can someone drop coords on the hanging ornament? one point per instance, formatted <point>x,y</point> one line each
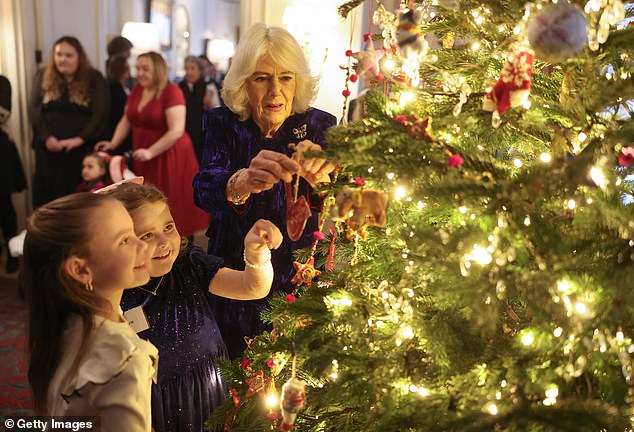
<point>558,32</point>
<point>256,383</point>
<point>626,157</point>
<point>409,37</point>
<point>359,208</point>
<point>418,128</point>
<point>305,273</point>
<point>513,87</point>
<point>292,402</point>
<point>297,211</point>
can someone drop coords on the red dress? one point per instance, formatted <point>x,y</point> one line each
<point>173,170</point>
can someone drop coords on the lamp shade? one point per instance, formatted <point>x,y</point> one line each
<point>220,50</point>
<point>144,36</point>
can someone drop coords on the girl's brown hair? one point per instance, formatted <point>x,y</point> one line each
<point>55,232</point>
<point>133,195</point>
<point>54,84</point>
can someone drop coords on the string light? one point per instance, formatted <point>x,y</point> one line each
<point>545,157</point>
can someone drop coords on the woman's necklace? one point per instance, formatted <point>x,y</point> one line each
<point>155,288</point>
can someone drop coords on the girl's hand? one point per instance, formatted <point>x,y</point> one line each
<point>142,155</point>
<point>262,236</point>
<point>314,169</point>
<point>53,144</point>
<point>104,146</point>
<point>267,168</point>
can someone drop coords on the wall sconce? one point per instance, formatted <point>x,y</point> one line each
<point>219,51</point>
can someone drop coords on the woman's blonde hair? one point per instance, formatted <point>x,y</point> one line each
<point>159,70</point>
<point>54,83</point>
<point>283,49</point>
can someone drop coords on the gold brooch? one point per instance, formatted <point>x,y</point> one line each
<point>300,132</point>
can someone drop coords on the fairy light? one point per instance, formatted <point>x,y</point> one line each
<point>498,395</point>
<point>581,308</point>
<point>527,220</point>
<point>475,46</point>
<point>526,104</point>
<point>518,163</point>
<point>528,338</point>
<point>564,286</point>
<point>421,205</point>
<point>480,255</point>
<point>598,177</point>
<point>558,332</point>
<point>571,204</point>
<point>423,391</point>
<point>390,176</point>
<point>491,408</point>
<point>462,209</point>
<point>582,137</point>
<point>619,336</point>
<point>501,29</point>
<point>405,98</point>
<point>503,384</point>
<point>389,65</point>
<point>545,157</point>
<point>271,400</point>
<point>400,193</point>
<point>551,395</point>
<point>408,333</point>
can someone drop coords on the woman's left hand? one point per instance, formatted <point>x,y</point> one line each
<point>142,155</point>
<point>315,170</point>
<point>70,143</point>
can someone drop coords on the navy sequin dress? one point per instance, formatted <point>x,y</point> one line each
<point>231,144</point>
<point>184,329</point>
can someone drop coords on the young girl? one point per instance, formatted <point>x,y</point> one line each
<point>174,310</point>
<point>94,169</point>
<point>80,253</point>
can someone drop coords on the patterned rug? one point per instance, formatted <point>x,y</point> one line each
<point>15,396</point>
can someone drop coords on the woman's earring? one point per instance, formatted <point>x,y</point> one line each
<point>89,286</point>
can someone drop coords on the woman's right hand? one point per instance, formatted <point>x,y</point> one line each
<point>53,144</point>
<point>267,168</point>
<point>104,146</point>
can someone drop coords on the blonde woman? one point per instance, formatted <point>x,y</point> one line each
<point>163,152</point>
<point>69,108</point>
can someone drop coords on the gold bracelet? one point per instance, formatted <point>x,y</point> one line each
<point>234,198</point>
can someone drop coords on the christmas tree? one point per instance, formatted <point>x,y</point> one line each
<point>494,293</point>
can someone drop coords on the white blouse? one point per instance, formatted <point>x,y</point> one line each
<point>112,380</point>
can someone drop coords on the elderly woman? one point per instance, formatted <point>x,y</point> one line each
<point>69,108</point>
<point>162,150</point>
<point>199,96</point>
<point>247,159</point>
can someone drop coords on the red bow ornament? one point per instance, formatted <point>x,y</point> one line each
<point>513,86</point>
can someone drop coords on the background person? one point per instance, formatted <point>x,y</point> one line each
<point>68,107</point>
<point>199,97</point>
<point>11,175</point>
<point>247,159</point>
<point>163,152</point>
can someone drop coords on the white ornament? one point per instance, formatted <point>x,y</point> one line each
<point>558,32</point>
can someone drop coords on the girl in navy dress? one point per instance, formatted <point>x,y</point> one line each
<point>174,310</point>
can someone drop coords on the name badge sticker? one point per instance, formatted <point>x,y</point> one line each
<point>137,319</point>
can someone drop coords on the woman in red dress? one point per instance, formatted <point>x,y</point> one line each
<point>163,152</point>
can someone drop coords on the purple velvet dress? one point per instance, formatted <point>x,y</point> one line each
<point>184,329</point>
<point>230,144</point>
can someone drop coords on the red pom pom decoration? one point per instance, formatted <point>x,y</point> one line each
<point>455,160</point>
<point>348,53</point>
<point>290,298</point>
<point>626,158</point>
<point>367,37</point>
<point>345,93</point>
<point>360,181</point>
<point>272,416</point>
<point>354,78</point>
<point>246,364</point>
<point>318,235</point>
